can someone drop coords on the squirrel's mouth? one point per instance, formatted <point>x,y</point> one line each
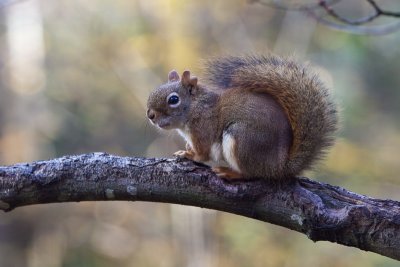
<point>163,125</point>
<point>160,124</point>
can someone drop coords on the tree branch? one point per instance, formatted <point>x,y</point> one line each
<point>331,18</point>
<point>321,211</point>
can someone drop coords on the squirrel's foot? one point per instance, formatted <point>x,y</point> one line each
<point>185,154</point>
<point>227,173</point>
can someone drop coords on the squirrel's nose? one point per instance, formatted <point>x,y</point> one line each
<point>151,114</point>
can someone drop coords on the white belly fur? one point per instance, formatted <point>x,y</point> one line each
<point>216,152</point>
<point>186,135</point>
<point>228,145</point>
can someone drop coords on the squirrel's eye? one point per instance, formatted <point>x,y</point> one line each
<point>173,100</point>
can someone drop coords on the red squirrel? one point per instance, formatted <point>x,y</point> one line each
<point>266,116</point>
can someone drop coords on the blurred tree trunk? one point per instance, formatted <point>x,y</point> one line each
<point>321,211</point>
<point>5,97</point>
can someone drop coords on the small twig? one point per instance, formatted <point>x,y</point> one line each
<point>340,22</point>
<point>360,21</point>
<point>298,7</point>
<point>383,12</point>
<point>377,13</point>
<point>358,29</point>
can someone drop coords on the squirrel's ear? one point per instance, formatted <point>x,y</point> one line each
<point>187,80</point>
<point>173,76</point>
<point>193,81</point>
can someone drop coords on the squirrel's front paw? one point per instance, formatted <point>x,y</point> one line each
<point>184,154</point>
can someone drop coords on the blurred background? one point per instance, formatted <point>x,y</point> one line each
<point>75,76</point>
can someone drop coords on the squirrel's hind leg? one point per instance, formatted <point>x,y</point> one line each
<point>227,173</point>
<point>228,146</point>
<point>255,152</point>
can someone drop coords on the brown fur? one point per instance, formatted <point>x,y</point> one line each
<point>306,101</point>
<point>275,113</point>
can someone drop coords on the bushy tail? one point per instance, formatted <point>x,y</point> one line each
<point>305,99</point>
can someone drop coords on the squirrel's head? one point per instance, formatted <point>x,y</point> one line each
<point>168,105</point>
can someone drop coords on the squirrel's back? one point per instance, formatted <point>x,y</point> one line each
<point>304,98</point>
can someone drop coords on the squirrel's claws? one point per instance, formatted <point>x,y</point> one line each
<point>227,173</point>
<point>184,154</point>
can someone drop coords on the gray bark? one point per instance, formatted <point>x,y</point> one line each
<point>321,211</point>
